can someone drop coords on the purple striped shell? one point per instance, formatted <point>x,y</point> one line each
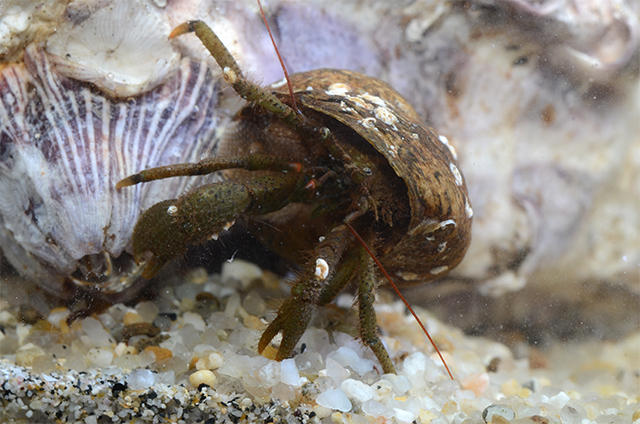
<point>64,145</point>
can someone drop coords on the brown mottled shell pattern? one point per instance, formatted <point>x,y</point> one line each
<point>440,210</point>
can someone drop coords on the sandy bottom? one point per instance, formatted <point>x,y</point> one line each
<point>190,356</point>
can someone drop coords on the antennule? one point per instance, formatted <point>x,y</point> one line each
<point>284,68</point>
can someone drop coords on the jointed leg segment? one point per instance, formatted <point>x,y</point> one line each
<point>233,74</point>
<point>367,315</point>
<point>318,289</point>
<point>323,277</point>
<point>253,162</point>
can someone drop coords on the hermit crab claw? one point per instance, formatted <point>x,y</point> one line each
<point>293,317</point>
<point>157,237</point>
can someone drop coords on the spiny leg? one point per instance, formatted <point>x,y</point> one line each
<point>166,229</point>
<point>367,314</point>
<point>233,74</point>
<point>323,271</point>
<point>259,95</point>
<point>253,162</point>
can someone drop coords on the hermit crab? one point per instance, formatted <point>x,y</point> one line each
<point>332,169</point>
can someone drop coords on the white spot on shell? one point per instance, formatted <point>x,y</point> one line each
<point>321,239</point>
<point>373,99</point>
<point>214,236</point>
<point>279,84</point>
<point>172,210</point>
<point>438,270</point>
<point>359,102</point>
<point>444,140</point>
<point>408,276</point>
<point>369,123</point>
<point>385,115</point>
<point>415,136</point>
<point>456,173</point>
<point>322,269</point>
<point>229,75</point>
<point>338,89</point>
<point>467,208</point>
<point>228,225</point>
<point>309,88</point>
<point>441,247</point>
<point>443,224</point>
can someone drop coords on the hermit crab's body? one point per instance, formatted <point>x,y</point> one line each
<point>351,157</point>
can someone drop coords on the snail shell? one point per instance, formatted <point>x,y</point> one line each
<point>64,145</point>
<point>441,213</point>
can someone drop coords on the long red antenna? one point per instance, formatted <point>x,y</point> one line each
<point>284,68</point>
<point>397,290</point>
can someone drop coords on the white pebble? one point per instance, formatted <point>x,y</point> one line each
<point>415,363</point>
<point>269,374</point>
<point>95,333</point>
<point>357,390</point>
<point>289,373</point>
<point>202,377</point>
<point>6,318</point>
<point>58,315</point>
<point>233,303</point>
<point>193,319</point>
<point>147,311</point>
<point>240,271</point>
<point>400,383</point>
<point>334,399</point>
<point>23,331</point>
<point>403,415</point>
<point>376,409</point>
<point>215,360</point>
<point>100,357</point>
<point>141,379</point>
<point>335,371</point>
<point>558,401</point>
<point>349,358</point>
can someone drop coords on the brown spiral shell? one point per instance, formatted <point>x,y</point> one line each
<point>440,227</point>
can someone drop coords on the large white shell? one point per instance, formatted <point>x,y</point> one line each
<point>63,147</point>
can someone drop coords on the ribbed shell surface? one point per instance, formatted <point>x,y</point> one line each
<point>63,147</point>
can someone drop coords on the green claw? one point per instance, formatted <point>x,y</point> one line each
<point>293,318</point>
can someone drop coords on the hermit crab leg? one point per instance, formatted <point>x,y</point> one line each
<point>233,74</point>
<point>166,229</point>
<point>397,290</point>
<point>367,314</point>
<point>309,292</point>
<point>254,162</point>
